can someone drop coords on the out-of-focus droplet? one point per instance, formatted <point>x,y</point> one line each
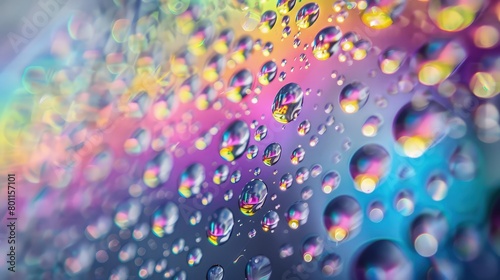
<point>437,187</point>
<point>221,174</point>
<point>467,243</point>
<point>222,43</point>
<point>158,170</point>
<point>188,88</point>
<point>164,219</point>
<point>286,251</point>
<point>391,60</point>
<point>272,154</point>
<point>297,155</point>
<point>286,181</point>
<point>353,97</point>
<point>215,272</point>
<point>436,60</point>
<point>220,226</point>
<point>307,15</point>
<point>463,164</point>
<point>306,193</point>
<point>239,85</point>
<point>191,179</point>
<point>312,248</point>
<point>242,49</point>
<point>416,129</point>
<point>486,37</point>
<point>270,220</point>
<point>382,14</point>
<point>382,259</point>
<point>454,15</point>
<point>368,166</point>
<point>288,103</point>
<point>194,256</point>
<point>195,218</point>
<point>178,246</point>
<point>404,203</point>
<point>127,213</point>
<point>427,231</point>
<point>331,265</point>
<point>302,175</point>
<point>100,166</point>
<point>342,218</point>
<point>259,267</point>
<point>201,38</point>
<point>234,141</point>
<point>297,214</point>
<point>484,85</point>
<point>326,42</point>
<point>376,212</point>
<point>360,49</point>
<point>267,73</point>
<point>252,197</point>
<point>330,182</point>
<point>235,176</point>
<point>214,68</point>
<point>371,126</point>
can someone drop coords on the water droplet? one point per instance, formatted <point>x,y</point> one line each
<point>297,155</point>
<point>382,14</point>
<point>272,154</point>
<point>304,127</point>
<point>215,272</point>
<point>307,15</point>
<point>312,248</point>
<point>297,214</point>
<point>342,218</point>
<point>331,265</point>
<point>376,212</point>
<point>330,182</point>
<point>286,181</point>
<point>267,73</point>
<point>158,170</point>
<point>382,259</point>
<point>391,60</point>
<point>252,151</point>
<point>284,6</point>
<point>418,129</point>
<point>427,230</point>
<point>178,246</point>
<point>353,97</point>
<point>220,226</point>
<point>288,103</point>
<point>239,85</point>
<point>270,220</point>
<point>462,163</point>
<point>368,166</point>
<point>326,42</point>
<point>164,219</point>
<point>191,180</point>
<point>235,176</point>
<point>267,21</point>
<point>221,174</point>
<point>127,213</point>
<point>234,141</point>
<point>371,126</point>
<point>259,267</point>
<point>252,197</point>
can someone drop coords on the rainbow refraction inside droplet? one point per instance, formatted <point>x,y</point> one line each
<point>250,139</point>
